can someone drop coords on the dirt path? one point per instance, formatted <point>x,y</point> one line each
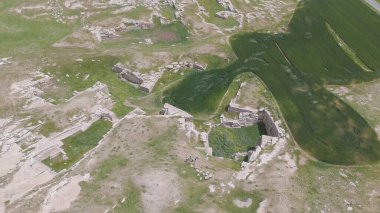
<point>374,4</point>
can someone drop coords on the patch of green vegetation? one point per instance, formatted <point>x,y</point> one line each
<point>120,109</point>
<point>201,125</point>
<point>102,175</point>
<point>226,163</point>
<point>108,166</point>
<point>296,67</point>
<point>78,76</point>
<point>170,77</point>
<point>227,202</point>
<point>22,36</point>
<point>212,61</point>
<point>227,141</point>
<point>131,192</point>
<point>48,127</point>
<point>200,92</point>
<point>78,144</point>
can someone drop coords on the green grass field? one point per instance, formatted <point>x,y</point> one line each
<point>227,141</point>
<point>296,67</point>
<point>22,37</point>
<point>77,145</point>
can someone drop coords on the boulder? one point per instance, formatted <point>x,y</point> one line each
<point>118,68</point>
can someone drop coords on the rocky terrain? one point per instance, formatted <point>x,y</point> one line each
<point>83,128</point>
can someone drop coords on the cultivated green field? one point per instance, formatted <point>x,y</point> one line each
<point>296,67</point>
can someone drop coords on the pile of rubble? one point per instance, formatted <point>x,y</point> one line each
<point>179,8</point>
<point>4,61</point>
<point>202,175</point>
<point>176,66</point>
<point>226,4</point>
<point>264,141</point>
<point>137,24</point>
<point>101,33</point>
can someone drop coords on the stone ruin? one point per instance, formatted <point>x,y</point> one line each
<point>137,24</point>
<point>248,117</point>
<point>185,122</point>
<point>245,119</point>
<point>176,66</point>
<point>100,33</point>
<point>29,90</point>
<point>173,111</point>
<point>126,74</point>
<point>252,118</point>
<point>147,81</point>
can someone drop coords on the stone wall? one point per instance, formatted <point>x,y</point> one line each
<point>245,119</point>
<point>145,81</point>
<point>131,77</point>
<point>173,111</point>
<point>264,141</point>
<point>150,80</point>
<point>118,68</point>
<point>270,125</point>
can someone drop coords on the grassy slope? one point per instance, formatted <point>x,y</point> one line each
<point>295,67</point>
<point>77,145</point>
<point>98,69</point>
<point>22,36</point>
